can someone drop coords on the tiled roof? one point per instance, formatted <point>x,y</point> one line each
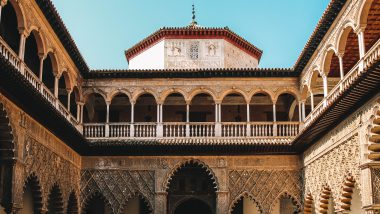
<point>324,24</point>
<point>193,73</point>
<point>189,32</point>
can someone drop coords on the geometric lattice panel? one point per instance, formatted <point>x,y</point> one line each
<point>118,186</point>
<point>265,186</point>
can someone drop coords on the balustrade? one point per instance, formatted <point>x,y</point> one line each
<point>369,58</point>
<point>21,67</point>
<point>191,130</point>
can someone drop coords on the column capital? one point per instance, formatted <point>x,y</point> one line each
<point>360,29</point>
<point>80,103</point>
<point>340,54</point>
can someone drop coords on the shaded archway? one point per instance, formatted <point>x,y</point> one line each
<point>7,157</point>
<point>9,27</point>
<point>234,108</point>
<point>326,201</point>
<point>331,69</point>
<point>202,108</point>
<point>33,52</point>
<point>74,99</point>
<point>48,71</point>
<point>285,205</point>
<point>137,205</point>
<point>192,206</point>
<point>287,108</point>
<point>95,109</point>
<point>261,108</point>
<point>349,47</point>
<point>62,90</point>
<point>174,108</point>
<point>96,204</point>
<point>191,181</point>
<point>32,196</point>
<point>55,201</point>
<point>245,205</point>
<point>372,22</point>
<point>145,108</point>
<point>72,204</point>
<point>120,108</point>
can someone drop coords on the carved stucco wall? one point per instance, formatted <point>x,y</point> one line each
<point>338,156</point>
<point>205,53</point>
<point>266,178</point>
<point>40,153</point>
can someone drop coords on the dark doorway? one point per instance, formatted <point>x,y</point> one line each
<point>193,206</point>
<point>191,184</point>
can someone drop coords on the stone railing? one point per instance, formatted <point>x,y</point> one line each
<point>190,130</point>
<point>21,67</point>
<point>372,56</point>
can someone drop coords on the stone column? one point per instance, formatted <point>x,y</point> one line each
<point>325,89</point>
<point>303,110</point>
<point>160,201</point>
<point>222,202</point>
<point>187,119</point>
<point>56,85</point>
<point>341,68</point>
<point>78,111</point>
<point>107,126</point>
<point>68,99</point>
<point>218,125</point>
<point>248,120</point>
<point>21,51</point>
<point>274,120</point>
<point>132,127</point>
<point>81,113</point>
<point>361,40</point>
<point>41,66</point>
<point>300,111</point>
<point>160,128</point>
<point>312,100</point>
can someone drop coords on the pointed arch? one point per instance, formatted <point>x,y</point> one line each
<point>309,207</point>
<point>142,199</point>
<point>32,186</point>
<point>242,195</point>
<point>72,204</point>
<point>286,195</point>
<point>180,165</point>
<point>8,152</point>
<point>93,199</point>
<point>55,200</point>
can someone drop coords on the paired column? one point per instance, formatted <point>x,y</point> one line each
<point>361,40</point>
<point>248,120</point>
<point>68,99</point>
<point>160,127</point>
<point>56,85</point>
<point>218,114</point>
<point>300,111</point>
<point>187,119</point>
<point>341,68</point>
<point>21,51</point>
<point>132,127</point>
<point>274,119</point>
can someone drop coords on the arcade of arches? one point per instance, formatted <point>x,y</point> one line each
<point>338,172</point>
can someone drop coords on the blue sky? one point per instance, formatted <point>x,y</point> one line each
<point>103,30</point>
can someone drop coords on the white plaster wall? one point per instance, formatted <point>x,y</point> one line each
<point>234,57</point>
<point>249,207</point>
<point>151,58</point>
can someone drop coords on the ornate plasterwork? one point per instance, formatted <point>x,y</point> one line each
<point>118,186</point>
<point>265,186</point>
<point>332,168</point>
<point>51,169</point>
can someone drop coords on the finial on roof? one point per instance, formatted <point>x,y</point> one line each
<point>193,22</point>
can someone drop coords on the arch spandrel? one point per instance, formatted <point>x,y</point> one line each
<point>166,93</point>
